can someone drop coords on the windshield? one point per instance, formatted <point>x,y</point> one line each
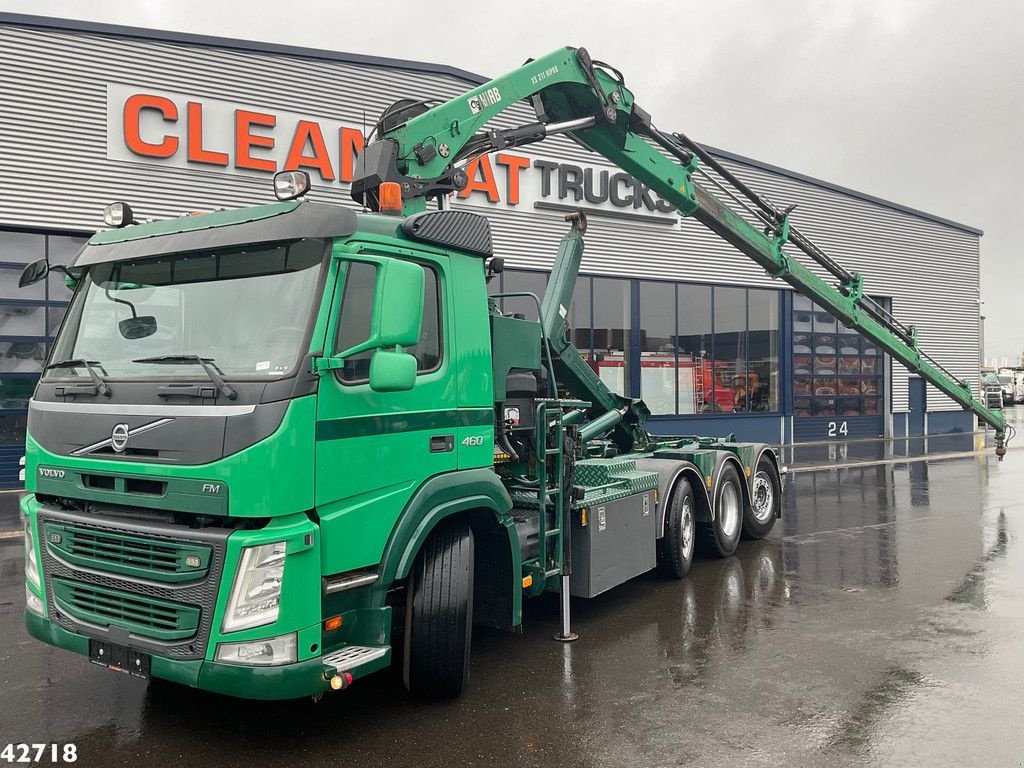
<point>1006,380</point>
<point>246,309</point>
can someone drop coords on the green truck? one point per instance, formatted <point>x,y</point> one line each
<point>274,446</point>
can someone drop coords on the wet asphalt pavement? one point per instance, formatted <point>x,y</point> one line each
<point>882,623</point>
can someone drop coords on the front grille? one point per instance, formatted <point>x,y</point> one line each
<point>137,556</point>
<point>161,619</point>
<point>132,583</point>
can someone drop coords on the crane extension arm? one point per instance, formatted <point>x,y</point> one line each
<point>425,148</point>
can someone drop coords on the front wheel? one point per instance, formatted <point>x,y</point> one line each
<point>721,535</point>
<point>675,548</point>
<point>439,614</point>
<point>765,498</point>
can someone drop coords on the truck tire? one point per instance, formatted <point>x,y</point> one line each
<point>720,537</point>
<point>765,497</point>
<point>439,614</point>
<point>675,548</point>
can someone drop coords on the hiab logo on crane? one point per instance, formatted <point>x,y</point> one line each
<point>198,133</point>
<point>488,98</point>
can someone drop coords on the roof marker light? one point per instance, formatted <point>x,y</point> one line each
<point>291,184</point>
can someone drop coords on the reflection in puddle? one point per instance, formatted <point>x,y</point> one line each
<point>971,591</point>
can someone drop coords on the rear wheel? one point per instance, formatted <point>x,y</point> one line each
<point>721,536</point>
<point>675,548</point>
<point>765,498</point>
<point>439,614</point>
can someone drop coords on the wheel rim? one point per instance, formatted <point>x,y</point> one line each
<point>764,497</point>
<point>686,534</point>
<point>729,509</point>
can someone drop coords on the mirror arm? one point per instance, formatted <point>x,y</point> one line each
<point>121,301</point>
<point>322,365</point>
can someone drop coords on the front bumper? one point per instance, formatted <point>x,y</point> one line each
<point>288,681</point>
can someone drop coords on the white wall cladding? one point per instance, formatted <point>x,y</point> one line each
<point>53,149</point>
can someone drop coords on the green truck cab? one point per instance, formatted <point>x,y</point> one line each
<point>263,434</point>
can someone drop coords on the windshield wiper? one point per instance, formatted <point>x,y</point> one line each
<point>102,387</point>
<point>204,362</point>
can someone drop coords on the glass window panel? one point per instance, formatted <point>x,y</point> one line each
<point>730,380</point>
<point>57,287</point>
<point>694,342</point>
<point>22,320</point>
<point>831,361</point>
<point>658,372</point>
<point>14,393</point>
<point>579,317</point>
<point>9,289</point>
<point>22,357</point>
<point>427,350</point>
<point>356,316</point>
<point>21,247</point>
<point>763,343</point>
<point>611,333</point>
<point>529,282</point>
<point>62,249</point>
<point>824,322</point>
<point>54,316</point>
<point>12,427</point>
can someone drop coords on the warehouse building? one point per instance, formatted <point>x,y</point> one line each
<point>174,123</point>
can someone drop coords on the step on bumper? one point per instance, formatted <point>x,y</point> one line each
<point>344,665</point>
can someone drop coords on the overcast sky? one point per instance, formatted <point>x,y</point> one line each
<point>917,102</point>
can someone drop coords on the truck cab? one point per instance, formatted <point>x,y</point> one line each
<point>238,408</point>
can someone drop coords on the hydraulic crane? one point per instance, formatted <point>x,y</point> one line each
<point>425,149</point>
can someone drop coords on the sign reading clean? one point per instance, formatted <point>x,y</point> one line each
<point>171,129</point>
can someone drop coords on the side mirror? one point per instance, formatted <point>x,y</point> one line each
<point>392,371</point>
<point>33,273</point>
<point>398,305</point>
<point>137,327</point>
<point>397,322</point>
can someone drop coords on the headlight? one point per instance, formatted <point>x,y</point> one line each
<point>33,603</point>
<point>256,593</point>
<point>260,653</point>
<point>31,566</point>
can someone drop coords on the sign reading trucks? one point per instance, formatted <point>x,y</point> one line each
<point>168,129</point>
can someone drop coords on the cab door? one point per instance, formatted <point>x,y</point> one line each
<point>374,449</point>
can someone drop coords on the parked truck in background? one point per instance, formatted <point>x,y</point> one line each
<point>1011,381</point>
<point>272,445</point>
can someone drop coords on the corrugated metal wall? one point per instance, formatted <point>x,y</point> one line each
<point>55,174</point>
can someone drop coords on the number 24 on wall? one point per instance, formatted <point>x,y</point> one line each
<point>835,430</point>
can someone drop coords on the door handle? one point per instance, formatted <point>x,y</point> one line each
<point>442,443</point>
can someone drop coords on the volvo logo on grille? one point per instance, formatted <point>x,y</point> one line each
<point>119,437</point>
<point>48,472</point>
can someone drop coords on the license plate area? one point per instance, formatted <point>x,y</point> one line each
<point>119,658</point>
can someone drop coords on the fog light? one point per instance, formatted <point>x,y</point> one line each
<point>291,184</point>
<point>118,215</point>
<point>33,603</point>
<point>271,652</point>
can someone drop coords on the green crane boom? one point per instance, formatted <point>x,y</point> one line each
<point>425,151</point>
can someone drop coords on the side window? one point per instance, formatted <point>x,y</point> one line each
<point>428,351</point>
<point>356,314</point>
